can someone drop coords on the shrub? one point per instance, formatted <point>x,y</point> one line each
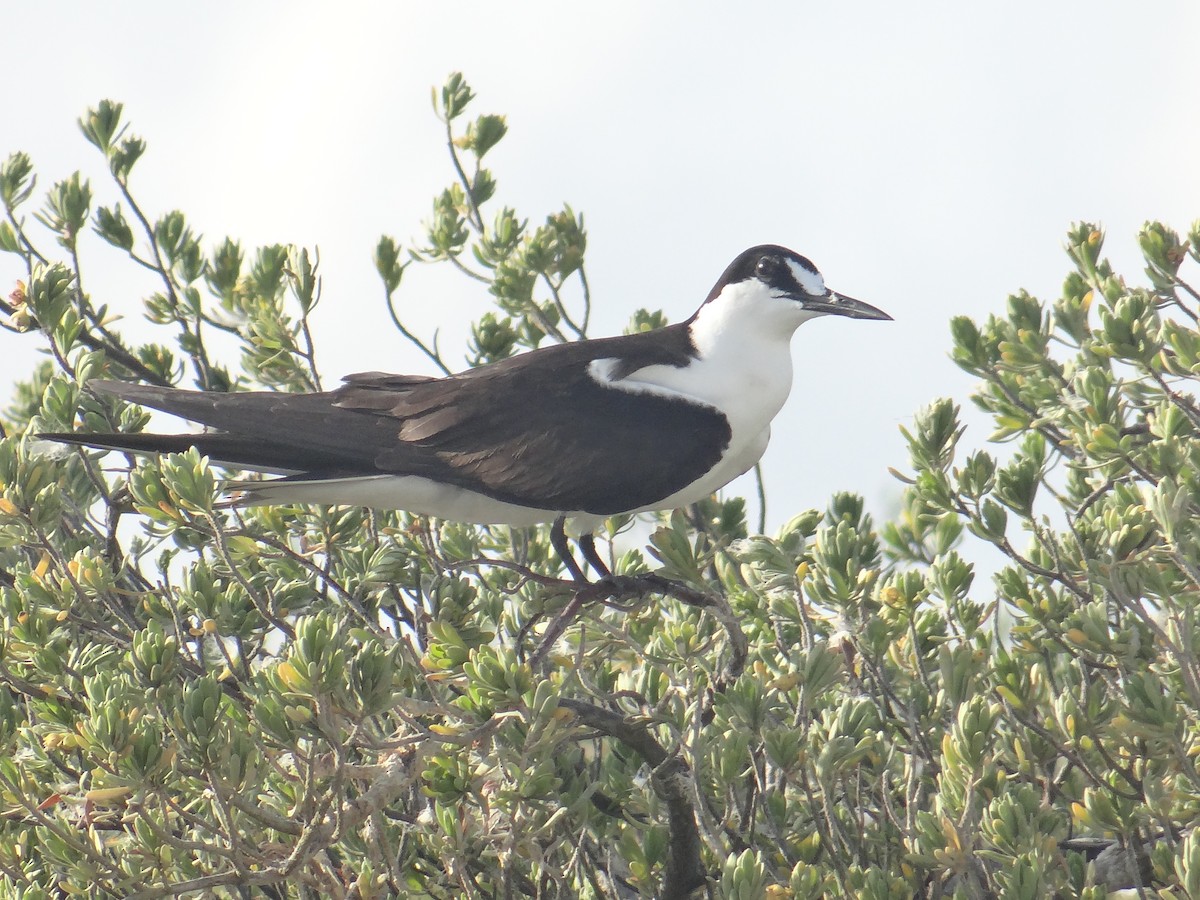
<point>329,701</point>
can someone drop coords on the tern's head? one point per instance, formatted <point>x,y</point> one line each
<point>778,288</point>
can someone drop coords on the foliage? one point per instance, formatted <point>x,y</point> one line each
<point>304,701</point>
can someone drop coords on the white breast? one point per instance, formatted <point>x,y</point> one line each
<point>743,366</point>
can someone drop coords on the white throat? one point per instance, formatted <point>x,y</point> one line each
<point>746,315</point>
<point>744,365</point>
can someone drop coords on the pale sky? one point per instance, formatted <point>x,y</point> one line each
<point>928,157</point>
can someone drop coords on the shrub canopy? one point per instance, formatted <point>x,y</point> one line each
<point>301,701</point>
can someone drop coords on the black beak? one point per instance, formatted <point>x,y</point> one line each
<point>836,304</point>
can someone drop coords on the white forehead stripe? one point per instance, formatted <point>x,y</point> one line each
<point>810,281</point>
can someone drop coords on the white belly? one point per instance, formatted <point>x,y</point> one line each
<point>410,493</point>
<point>429,498</point>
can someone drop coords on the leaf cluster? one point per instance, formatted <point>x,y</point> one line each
<point>301,701</point>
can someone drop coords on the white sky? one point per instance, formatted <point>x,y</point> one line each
<point>928,157</point>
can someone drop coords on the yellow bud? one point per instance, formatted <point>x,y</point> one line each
<point>288,674</point>
<point>786,682</point>
<point>1010,695</point>
<point>108,796</point>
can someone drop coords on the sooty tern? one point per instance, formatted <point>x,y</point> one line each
<point>579,431</point>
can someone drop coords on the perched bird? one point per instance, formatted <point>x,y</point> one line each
<point>579,431</point>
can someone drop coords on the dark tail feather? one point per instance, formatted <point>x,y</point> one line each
<point>265,431</point>
<point>312,421</point>
<point>210,408</point>
<point>226,449</point>
<point>129,443</point>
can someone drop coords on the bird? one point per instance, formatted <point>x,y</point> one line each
<point>577,431</point>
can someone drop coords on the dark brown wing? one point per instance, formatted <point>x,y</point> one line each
<point>547,435</point>
<point>535,430</point>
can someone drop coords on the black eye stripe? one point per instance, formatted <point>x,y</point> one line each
<point>774,271</point>
<point>780,269</point>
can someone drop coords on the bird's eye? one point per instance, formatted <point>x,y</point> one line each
<point>765,267</point>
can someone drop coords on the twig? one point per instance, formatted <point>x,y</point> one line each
<point>474,216</point>
<point>761,487</point>
<point>671,779</point>
<point>413,339</point>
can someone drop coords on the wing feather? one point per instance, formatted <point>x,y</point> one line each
<point>535,430</point>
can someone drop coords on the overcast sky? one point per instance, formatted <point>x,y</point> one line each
<point>927,157</point>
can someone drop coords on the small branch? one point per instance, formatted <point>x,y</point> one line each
<point>309,352</point>
<point>534,312</point>
<point>671,779</point>
<point>416,341</point>
<point>473,214</point>
<point>1179,282</point>
<point>1181,402</point>
<point>264,605</point>
<point>587,302</point>
<point>761,487</point>
<point>556,295</point>
<point>19,230</point>
<point>454,260</point>
<point>286,552</point>
<point>618,588</point>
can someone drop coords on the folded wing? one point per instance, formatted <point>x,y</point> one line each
<point>540,433</point>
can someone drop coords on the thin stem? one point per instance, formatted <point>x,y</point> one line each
<point>19,230</point>
<point>539,318</point>
<point>473,214</point>
<point>416,341</point>
<point>587,302</point>
<point>198,355</point>
<point>467,270</point>
<point>761,488</point>
<point>556,295</point>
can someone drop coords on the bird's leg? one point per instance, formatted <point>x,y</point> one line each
<point>619,585</point>
<point>558,540</point>
<point>587,544</point>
